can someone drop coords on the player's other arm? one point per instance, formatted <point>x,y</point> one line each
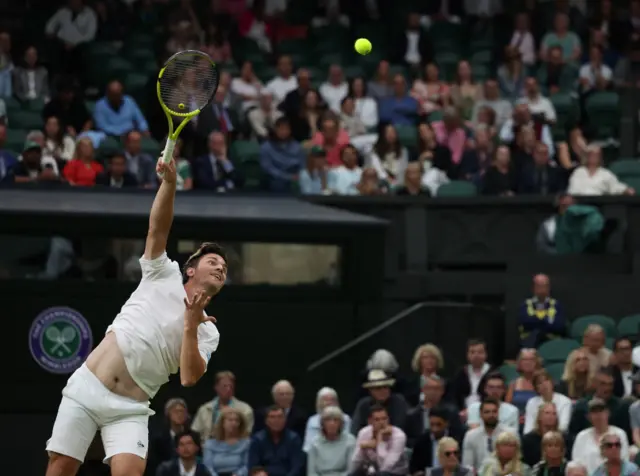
<point>161,216</point>
<point>192,363</point>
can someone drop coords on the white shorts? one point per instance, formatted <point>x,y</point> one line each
<point>86,406</point>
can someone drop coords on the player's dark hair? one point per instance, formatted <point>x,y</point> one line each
<point>194,435</point>
<point>205,249</point>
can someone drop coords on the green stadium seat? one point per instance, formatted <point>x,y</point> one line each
<point>604,108</point>
<point>25,119</point>
<point>289,47</point>
<point>100,48</point>
<point>139,55</point>
<point>243,150</point>
<point>327,60</point>
<point>108,146</point>
<point>408,136</point>
<point>557,350</point>
<point>483,56</point>
<point>135,82</point>
<point>12,104</point>
<point>580,324</point>
<point>624,168</point>
<point>117,67</point>
<point>35,105</point>
<point>629,326</point>
<point>609,342</point>
<point>15,138</point>
<point>91,107</point>
<point>457,188</point>
<point>150,146</point>
<point>266,73</point>
<point>354,71</point>
<point>509,372</point>
<point>481,72</point>
<point>139,40</point>
<point>555,370</point>
<point>435,116</point>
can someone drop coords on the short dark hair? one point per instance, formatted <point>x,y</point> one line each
<point>206,248</point>
<point>494,376</point>
<point>375,408</point>
<point>439,411</point>
<point>194,435</point>
<point>620,339</point>
<point>489,401</point>
<point>474,342</point>
<point>257,470</point>
<point>273,408</point>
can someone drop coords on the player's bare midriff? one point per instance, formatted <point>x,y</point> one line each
<point>107,363</point>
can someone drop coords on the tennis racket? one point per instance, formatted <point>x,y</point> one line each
<point>186,84</point>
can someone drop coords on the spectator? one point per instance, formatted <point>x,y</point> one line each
<point>216,44</point>
<point>335,89</point>
<point>502,107</point>
<point>216,117</point>
<point>495,389</point>
<point>419,418</point>
<point>381,85</point>
<point>31,81</point>
<point>631,30</point>
<point>541,316</point>
<point>451,134</point>
<point>6,65</point>
<point>117,113</point>
<point>117,175</point>
<point>560,35</point>
<point>313,178</point>
<point>349,120</point>
<point>476,161</point>
<point>183,11</point>
<point>593,342</point>
<point>276,448</point>
<point>294,100</point>
<point>426,451</point>
<point>369,184</point>
<point>3,112</point>
<point>163,442</point>
<point>281,158</point>
<point>344,179</point>
<point>413,46</point>
<point>538,104</point>
<point>254,25</point>
<point>464,92</point>
<point>511,75</point>
<point>623,368</point>
<point>479,443</point>
<point>575,468</point>
<point>83,169</point>
<point>47,159</point>
<point>522,39</point>
<point>305,121</point>
<point>284,82</point>
<point>605,24</point>
<point>209,414</point>
<point>8,159</point>
<point>595,75</point>
<point>500,179</point>
<point>58,144</point>
<point>613,460</point>
<point>188,447</point>
<point>594,179</point>
<point>546,422</point>
<point>227,452</point>
<point>247,87</point>
<point>331,452</point>
<point>283,395</point>
<point>332,138</point>
<point>546,238</point>
<point>215,171</point>
<point>399,109</point>
<point>366,106</point>
<point>389,157</point>
<point>522,117</point>
<point>380,446</point>
<point>634,412</point>
<point>553,455</point>
<point>448,451</point>
<point>31,167</point>
<point>139,163</point>
<point>427,362</point>
<point>113,20</point>
<point>505,458</point>
<point>184,176</point>
<point>540,178</point>
<point>554,75</point>
<point>183,37</point>
<point>432,156</point>
<point>431,93</point>
<point>586,448</point>
<point>572,153</point>
<point>543,383</point>
<point>379,385</point>
<point>522,389</point>
<point>72,25</point>
<point>325,398</point>
<point>263,118</point>
<point>466,386</point>
<point>69,108</point>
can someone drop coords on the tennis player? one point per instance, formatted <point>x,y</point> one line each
<point>161,329</point>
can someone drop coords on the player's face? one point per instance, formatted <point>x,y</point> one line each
<point>211,272</point>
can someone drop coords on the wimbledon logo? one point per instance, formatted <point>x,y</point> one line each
<point>60,340</point>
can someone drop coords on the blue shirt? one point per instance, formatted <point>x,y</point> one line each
<point>403,111</point>
<point>221,457</point>
<point>116,123</point>
<point>628,469</point>
<point>310,183</point>
<point>7,162</point>
<point>284,458</point>
<point>281,160</point>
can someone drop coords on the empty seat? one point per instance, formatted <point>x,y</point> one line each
<point>457,188</point>
<point>557,350</point>
<point>629,326</point>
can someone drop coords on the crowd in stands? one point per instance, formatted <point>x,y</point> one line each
<point>453,100</point>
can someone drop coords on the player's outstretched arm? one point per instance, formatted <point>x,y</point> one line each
<point>192,364</point>
<point>161,216</point>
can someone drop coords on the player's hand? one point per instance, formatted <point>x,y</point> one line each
<point>166,171</point>
<point>194,315</point>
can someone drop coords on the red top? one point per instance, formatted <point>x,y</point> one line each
<point>80,173</point>
<point>333,153</point>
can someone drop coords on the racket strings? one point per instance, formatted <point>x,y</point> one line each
<point>188,82</point>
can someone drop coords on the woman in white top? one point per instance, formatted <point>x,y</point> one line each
<point>57,143</point>
<point>592,179</point>
<point>366,106</point>
<point>543,384</point>
<point>247,87</point>
<point>389,158</point>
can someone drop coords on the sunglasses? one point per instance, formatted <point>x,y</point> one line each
<point>613,444</point>
<point>451,453</point>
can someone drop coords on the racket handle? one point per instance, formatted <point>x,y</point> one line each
<point>167,155</point>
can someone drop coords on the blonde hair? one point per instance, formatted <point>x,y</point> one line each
<point>569,375</point>
<point>551,438</point>
<point>225,374</point>
<point>428,349</point>
<point>332,412</point>
<point>603,440</point>
<point>515,465</point>
<point>592,329</point>
<point>446,442</point>
<point>325,392</point>
<point>218,432</point>
<point>535,355</point>
<point>536,426</point>
<point>83,140</point>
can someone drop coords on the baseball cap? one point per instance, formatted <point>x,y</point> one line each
<point>317,151</point>
<point>597,404</point>
<point>28,145</point>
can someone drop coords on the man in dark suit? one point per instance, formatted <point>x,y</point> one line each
<point>426,445</point>
<point>296,419</point>
<point>215,117</point>
<point>540,178</point>
<point>117,175</point>
<point>292,102</point>
<point>188,447</point>
<point>413,46</point>
<point>623,368</point>
<point>214,171</point>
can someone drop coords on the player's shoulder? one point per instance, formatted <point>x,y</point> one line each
<point>159,267</point>
<point>208,330</point>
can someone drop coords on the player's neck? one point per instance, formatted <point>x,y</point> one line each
<point>191,288</point>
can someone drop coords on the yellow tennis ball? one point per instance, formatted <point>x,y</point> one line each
<point>181,105</point>
<point>363,46</point>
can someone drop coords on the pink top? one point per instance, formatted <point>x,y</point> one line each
<point>333,153</point>
<point>455,140</point>
<point>389,455</point>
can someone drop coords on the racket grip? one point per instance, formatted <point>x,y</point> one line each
<point>167,155</point>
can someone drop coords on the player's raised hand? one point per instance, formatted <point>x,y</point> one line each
<point>167,172</point>
<point>194,314</point>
